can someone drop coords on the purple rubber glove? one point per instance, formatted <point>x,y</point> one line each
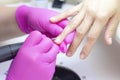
<point>35,60</point>
<point>30,19</point>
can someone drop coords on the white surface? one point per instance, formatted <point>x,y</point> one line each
<point>118,34</point>
<point>103,62</point>
<point>40,3</point>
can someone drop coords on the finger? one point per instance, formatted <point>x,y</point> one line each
<point>66,14</point>
<point>70,37</point>
<point>54,29</point>
<point>68,40</point>
<point>63,47</point>
<point>92,37</point>
<point>111,29</point>
<point>71,26</point>
<point>63,23</point>
<point>49,35</point>
<point>45,44</point>
<point>80,34</point>
<point>52,54</point>
<point>33,38</point>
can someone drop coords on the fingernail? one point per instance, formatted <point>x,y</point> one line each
<point>69,54</point>
<point>57,40</point>
<point>82,56</point>
<point>52,19</point>
<point>110,41</point>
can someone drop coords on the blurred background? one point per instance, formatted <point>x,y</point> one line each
<point>103,62</point>
<point>4,2</point>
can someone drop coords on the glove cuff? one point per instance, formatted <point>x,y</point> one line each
<point>22,19</point>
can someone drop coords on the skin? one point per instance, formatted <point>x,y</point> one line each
<point>8,25</point>
<point>90,17</point>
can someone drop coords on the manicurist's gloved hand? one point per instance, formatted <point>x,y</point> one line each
<point>30,18</point>
<point>35,60</point>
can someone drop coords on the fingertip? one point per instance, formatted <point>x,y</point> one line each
<point>35,33</point>
<point>108,40</point>
<point>63,47</point>
<point>69,54</point>
<point>53,19</point>
<point>57,41</point>
<point>82,56</point>
<point>33,38</point>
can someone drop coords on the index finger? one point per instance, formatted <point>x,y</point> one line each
<point>66,14</point>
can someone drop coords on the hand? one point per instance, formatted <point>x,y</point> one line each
<point>30,19</point>
<point>35,60</point>
<point>90,16</point>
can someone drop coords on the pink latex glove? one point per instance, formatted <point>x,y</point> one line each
<point>35,60</point>
<point>30,19</point>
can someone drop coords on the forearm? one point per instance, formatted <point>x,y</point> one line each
<point>8,25</point>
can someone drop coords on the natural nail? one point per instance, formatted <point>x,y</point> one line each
<point>52,19</point>
<point>110,41</point>
<point>69,54</point>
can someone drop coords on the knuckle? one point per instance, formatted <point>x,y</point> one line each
<point>111,31</point>
<point>48,41</point>
<point>91,11</point>
<point>74,46</point>
<point>101,16</point>
<point>76,12</point>
<point>74,23</point>
<point>67,12</point>
<point>91,37</point>
<point>79,33</point>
